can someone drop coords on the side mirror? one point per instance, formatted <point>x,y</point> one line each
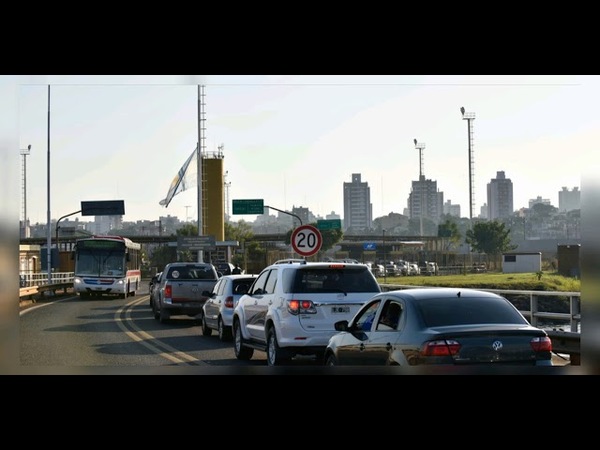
<point>342,325</point>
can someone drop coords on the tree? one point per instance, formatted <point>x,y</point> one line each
<point>491,238</point>
<point>242,232</point>
<point>449,231</point>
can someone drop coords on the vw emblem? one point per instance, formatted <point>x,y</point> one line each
<point>195,289</point>
<point>497,345</point>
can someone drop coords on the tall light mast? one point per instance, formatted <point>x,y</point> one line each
<point>470,117</point>
<point>420,146</point>
<point>226,184</point>
<point>201,146</point>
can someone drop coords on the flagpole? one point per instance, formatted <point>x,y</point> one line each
<point>199,165</point>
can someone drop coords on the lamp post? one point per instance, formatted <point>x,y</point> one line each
<point>384,257</point>
<point>25,152</point>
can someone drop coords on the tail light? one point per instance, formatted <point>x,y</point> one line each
<point>541,344</point>
<point>229,302</point>
<point>296,307</point>
<point>168,291</point>
<point>440,348</point>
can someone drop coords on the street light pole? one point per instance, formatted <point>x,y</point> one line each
<point>25,153</point>
<point>49,217</point>
<point>384,258</point>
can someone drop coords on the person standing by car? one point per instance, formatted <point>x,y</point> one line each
<point>237,270</point>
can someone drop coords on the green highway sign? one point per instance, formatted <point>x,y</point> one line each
<point>252,206</point>
<point>333,224</point>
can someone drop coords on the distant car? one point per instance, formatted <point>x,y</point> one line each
<point>217,311</point>
<point>292,306</point>
<point>182,289</point>
<point>152,284</point>
<point>438,326</point>
<point>224,268</point>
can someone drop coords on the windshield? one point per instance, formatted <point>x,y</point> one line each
<point>100,263</point>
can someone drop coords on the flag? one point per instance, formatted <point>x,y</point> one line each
<point>185,178</point>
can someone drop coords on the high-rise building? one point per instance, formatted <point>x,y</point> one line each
<point>539,200</point>
<point>305,215</point>
<point>358,209</point>
<point>453,210</point>
<point>483,211</point>
<point>500,197</point>
<point>569,200</point>
<point>425,199</point>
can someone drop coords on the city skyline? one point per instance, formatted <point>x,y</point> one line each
<point>294,141</point>
<point>252,218</point>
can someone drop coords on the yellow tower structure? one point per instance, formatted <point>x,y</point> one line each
<point>213,196</point>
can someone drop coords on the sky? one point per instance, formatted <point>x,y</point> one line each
<point>294,140</point>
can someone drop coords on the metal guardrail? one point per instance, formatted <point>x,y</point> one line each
<point>32,284</point>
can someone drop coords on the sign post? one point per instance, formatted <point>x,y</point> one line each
<point>306,240</point>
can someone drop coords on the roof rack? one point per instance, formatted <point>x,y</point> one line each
<point>290,261</point>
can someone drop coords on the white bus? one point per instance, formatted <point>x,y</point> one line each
<point>107,265</point>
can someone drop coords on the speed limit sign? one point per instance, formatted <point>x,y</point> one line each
<point>306,240</point>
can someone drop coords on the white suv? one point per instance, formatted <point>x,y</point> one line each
<point>292,306</point>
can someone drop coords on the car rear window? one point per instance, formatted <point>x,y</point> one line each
<point>329,279</point>
<point>438,312</point>
<point>192,273</point>
<point>238,285</point>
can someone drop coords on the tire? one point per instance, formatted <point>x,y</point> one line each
<point>276,356</point>
<point>241,352</point>
<point>155,311</point>
<point>206,331</point>
<point>223,331</point>
<point>330,360</point>
<point>163,315</point>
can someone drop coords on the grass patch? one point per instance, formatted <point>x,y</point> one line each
<point>534,281</point>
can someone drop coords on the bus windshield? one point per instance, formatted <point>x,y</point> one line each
<point>100,262</point>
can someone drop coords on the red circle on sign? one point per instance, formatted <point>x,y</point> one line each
<point>306,240</point>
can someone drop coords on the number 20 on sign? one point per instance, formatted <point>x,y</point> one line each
<point>306,240</point>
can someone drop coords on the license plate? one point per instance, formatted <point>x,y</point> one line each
<point>340,309</point>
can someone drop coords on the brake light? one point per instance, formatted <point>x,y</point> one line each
<point>541,344</point>
<point>337,266</point>
<point>440,348</point>
<point>168,291</point>
<point>296,307</point>
<point>229,302</point>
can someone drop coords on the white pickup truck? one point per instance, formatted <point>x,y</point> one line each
<point>183,289</point>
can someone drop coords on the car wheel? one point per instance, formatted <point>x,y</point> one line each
<point>331,361</point>
<point>275,354</point>
<point>205,330</point>
<point>241,351</point>
<point>163,315</point>
<point>155,310</point>
<point>224,332</point>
